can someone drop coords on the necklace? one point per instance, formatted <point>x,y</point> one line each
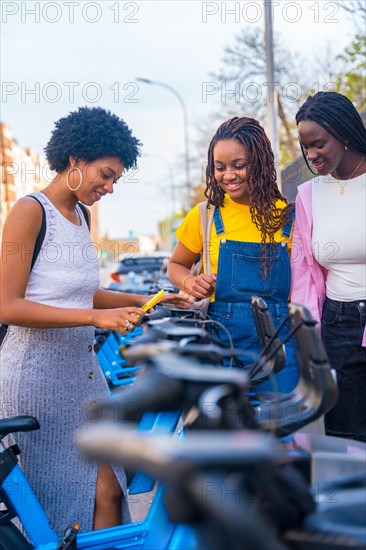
<point>343,185</point>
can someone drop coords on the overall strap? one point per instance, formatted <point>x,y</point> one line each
<point>286,230</point>
<point>219,224</point>
<point>206,224</point>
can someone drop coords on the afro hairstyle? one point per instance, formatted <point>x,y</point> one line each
<point>88,134</point>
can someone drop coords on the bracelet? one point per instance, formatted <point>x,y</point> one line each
<point>184,282</point>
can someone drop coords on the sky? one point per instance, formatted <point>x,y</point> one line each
<point>57,56</point>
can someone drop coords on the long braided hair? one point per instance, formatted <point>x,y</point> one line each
<point>261,180</point>
<point>338,116</point>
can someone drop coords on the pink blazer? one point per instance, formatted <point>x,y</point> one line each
<point>307,276</point>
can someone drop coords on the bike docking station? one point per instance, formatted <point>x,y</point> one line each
<point>213,477</point>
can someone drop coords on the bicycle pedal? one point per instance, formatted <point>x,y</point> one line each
<point>69,540</point>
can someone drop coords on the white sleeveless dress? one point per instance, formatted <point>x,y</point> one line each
<point>53,373</point>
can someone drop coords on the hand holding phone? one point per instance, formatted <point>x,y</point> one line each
<point>149,304</point>
<point>153,301</point>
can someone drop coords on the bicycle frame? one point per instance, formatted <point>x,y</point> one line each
<point>19,493</point>
<point>156,531</point>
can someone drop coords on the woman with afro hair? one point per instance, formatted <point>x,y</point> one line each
<point>52,305</point>
<point>249,241</point>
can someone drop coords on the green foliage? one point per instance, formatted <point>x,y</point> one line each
<point>352,82</point>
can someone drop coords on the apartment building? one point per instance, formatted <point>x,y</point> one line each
<point>24,171</point>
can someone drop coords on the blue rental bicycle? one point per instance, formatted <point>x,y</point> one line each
<point>19,501</point>
<point>235,488</point>
<point>195,386</point>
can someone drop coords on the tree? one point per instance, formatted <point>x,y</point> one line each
<point>352,79</point>
<point>357,9</point>
<point>352,82</point>
<point>242,83</point>
<point>245,66</point>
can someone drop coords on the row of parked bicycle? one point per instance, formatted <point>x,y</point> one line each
<point>238,473</point>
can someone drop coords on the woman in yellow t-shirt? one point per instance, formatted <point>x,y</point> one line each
<point>249,241</point>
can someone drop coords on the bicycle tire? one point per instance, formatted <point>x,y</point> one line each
<point>11,538</point>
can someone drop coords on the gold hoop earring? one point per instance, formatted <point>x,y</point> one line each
<point>68,176</point>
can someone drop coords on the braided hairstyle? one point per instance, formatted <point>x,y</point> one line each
<point>338,116</point>
<point>261,180</point>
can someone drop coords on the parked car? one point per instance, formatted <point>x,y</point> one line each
<point>141,273</point>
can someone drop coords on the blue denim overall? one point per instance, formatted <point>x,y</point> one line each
<point>238,279</point>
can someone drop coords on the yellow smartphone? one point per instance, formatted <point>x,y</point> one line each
<point>153,300</point>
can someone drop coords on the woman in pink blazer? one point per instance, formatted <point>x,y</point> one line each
<point>328,264</point>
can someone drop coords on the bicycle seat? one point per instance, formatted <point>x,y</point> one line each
<point>18,424</point>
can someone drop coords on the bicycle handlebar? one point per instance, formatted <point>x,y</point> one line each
<point>167,311</point>
<point>166,458</point>
<point>207,352</point>
<point>174,383</point>
<point>195,468</point>
<point>154,392</point>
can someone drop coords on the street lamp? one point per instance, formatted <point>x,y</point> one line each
<point>271,92</point>
<point>171,179</point>
<point>167,227</point>
<point>185,126</point>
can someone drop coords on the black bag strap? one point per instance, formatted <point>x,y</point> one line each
<point>3,329</point>
<point>85,213</point>
<point>37,247</point>
<point>41,235</point>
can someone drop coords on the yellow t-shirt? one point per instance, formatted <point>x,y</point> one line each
<point>238,227</point>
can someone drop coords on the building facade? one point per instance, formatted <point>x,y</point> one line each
<point>24,171</point>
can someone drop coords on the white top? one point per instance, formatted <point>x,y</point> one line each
<point>66,272</point>
<point>339,235</point>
